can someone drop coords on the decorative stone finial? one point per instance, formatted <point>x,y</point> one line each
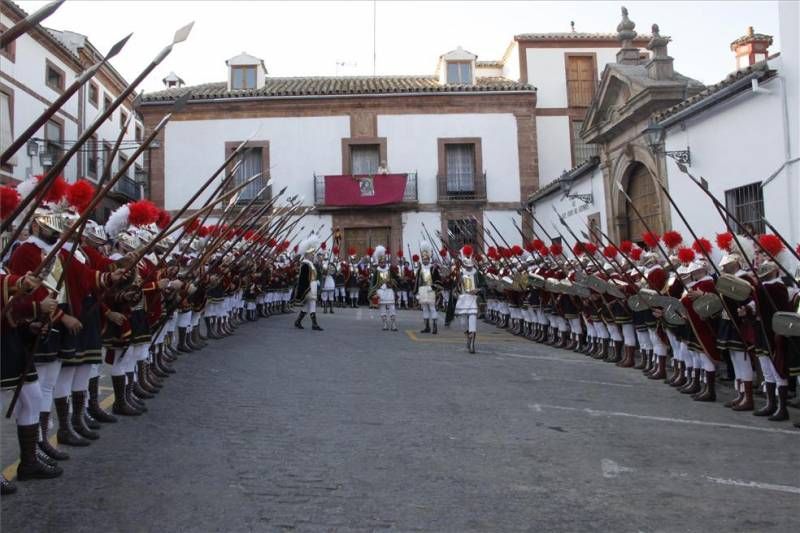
<point>660,65</point>
<point>658,44</point>
<point>625,27</point>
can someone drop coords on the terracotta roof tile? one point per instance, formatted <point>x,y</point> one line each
<point>574,36</point>
<point>344,86</point>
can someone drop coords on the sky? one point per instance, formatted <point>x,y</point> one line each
<point>336,38</point>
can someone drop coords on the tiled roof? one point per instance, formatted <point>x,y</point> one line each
<point>750,37</point>
<point>339,86</point>
<point>490,64</point>
<point>574,36</point>
<point>760,67</point>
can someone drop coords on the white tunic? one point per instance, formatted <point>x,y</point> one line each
<point>467,304</point>
<point>385,293</point>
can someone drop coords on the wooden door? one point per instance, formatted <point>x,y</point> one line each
<point>643,193</point>
<point>580,80</point>
<point>363,238</point>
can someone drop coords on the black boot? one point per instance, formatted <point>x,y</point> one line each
<point>435,329</point>
<point>299,322</point>
<point>769,408</point>
<point>44,443</point>
<point>182,347</point>
<point>130,393</point>
<point>7,487</point>
<point>121,406</point>
<point>78,423</point>
<point>330,304</point>
<point>94,409</point>
<point>427,328</point>
<point>314,324</point>
<point>471,342</point>
<point>65,435</point>
<point>29,465</point>
<point>781,413</point>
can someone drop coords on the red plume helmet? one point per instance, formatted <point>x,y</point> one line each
<point>466,251</point>
<point>516,250</point>
<point>610,251</point>
<point>9,200</point>
<point>335,250</point>
<point>192,226</point>
<point>142,213</point>
<point>771,243</point>
<point>80,194</point>
<point>650,239</point>
<point>556,249</point>
<point>351,250</point>
<point>544,252</point>
<point>415,258</point>
<point>443,252</point>
<point>626,247</point>
<point>529,247</point>
<point>636,254</point>
<point>399,253</point>
<point>579,248</point>
<point>686,255</point>
<point>323,246</point>
<point>56,191</point>
<point>164,219</point>
<point>725,241</point>
<point>590,247</point>
<point>537,244</point>
<point>271,243</point>
<point>370,251</point>
<point>672,239</point>
<point>702,246</point>
<point>204,231</point>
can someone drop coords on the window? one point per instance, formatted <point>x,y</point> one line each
<point>460,165</point>
<point>747,205</point>
<point>54,77</point>
<point>461,232</point>
<point>138,134</point>
<point>106,156</point>
<point>243,77</point>
<point>9,51</point>
<point>138,172</point>
<point>107,105</point>
<point>252,164</point>
<point>122,160</point>
<point>94,94</point>
<point>123,118</point>
<point>580,79</point>
<point>459,73</point>
<point>91,161</point>
<point>364,159</point>
<point>7,122</point>
<point>581,151</point>
<point>54,139</point>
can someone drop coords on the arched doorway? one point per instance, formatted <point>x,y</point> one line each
<point>643,192</point>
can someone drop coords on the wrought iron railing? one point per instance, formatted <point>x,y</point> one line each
<point>128,188</point>
<point>476,193</point>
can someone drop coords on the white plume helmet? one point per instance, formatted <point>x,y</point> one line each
<point>117,221</point>
<point>425,248</point>
<point>25,188</point>
<point>308,245</point>
<point>744,246</point>
<point>378,253</point>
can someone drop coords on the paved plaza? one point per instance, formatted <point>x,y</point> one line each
<point>355,429</point>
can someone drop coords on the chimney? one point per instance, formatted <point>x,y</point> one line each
<point>751,48</point>
<point>628,53</point>
<point>660,66</point>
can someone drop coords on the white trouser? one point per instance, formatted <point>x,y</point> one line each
<point>353,292</point>
<point>310,306</point>
<point>184,319</point>
<point>387,309</point>
<point>575,326</point>
<point>64,382</point>
<point>48,375</point>
<point>590,331</point>
<point>429,312</point>
<point>327,295</point>
<point>96,368</point>
<point>601,330</point>
<point>402,296</point>
<point>80,380</point>
<point>645,344</point>
<point>614,332</point>
<point>629,335</point>
<point>472,322</point>
<point>742,368</point>
<point>770,373</point>
<point>339,292</point>
<point>27,408</point>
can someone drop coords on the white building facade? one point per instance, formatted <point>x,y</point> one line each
<point>34,71</point>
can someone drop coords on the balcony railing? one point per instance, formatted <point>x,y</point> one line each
<point>475,194</point>
<point>128,188</point>
<point>410,195</point>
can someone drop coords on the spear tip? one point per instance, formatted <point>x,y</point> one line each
<point>183,33</point>
<point>118,46</point>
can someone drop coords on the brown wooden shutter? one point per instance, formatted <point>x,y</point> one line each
<point>580,80</point>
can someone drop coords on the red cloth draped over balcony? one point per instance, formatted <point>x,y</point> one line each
<point>380,189</point>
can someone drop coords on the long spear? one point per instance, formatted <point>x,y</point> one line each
<point>784,241</point>
<point>60,101</point>
<point>39,191</point>
<point>24,25</point>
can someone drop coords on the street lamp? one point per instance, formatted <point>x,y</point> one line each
<point>33,148</point>
<point>564,185</point>
<point>656,133</point>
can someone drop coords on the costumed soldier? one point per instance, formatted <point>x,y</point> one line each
<point>382,285</point>
<point>426,283</point>
<point>351,271</point>
<point>307,283</point>
<point>469,284</point>
<point>328,287</point>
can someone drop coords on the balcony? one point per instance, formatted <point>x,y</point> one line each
<point>127,188</point>
<point>449,194</point>
<point>380,190</point>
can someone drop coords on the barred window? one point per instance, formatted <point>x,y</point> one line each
<point>747,205</point>
<point>581,151</point>
<point>460,161</point>
<point>461,232</point>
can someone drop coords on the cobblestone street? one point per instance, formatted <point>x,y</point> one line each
<point>355,429</point>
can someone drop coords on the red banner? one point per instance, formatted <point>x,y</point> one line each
<point>380,189</point>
